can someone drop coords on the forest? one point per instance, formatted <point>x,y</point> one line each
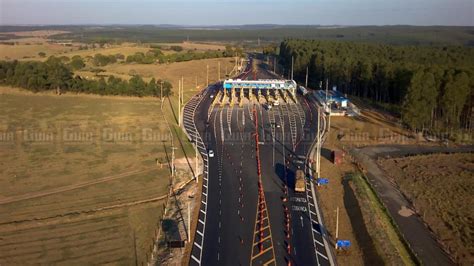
<point>53,74</point>
<point>430,88</point>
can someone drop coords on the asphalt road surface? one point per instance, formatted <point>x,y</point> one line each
<point>235,221</point>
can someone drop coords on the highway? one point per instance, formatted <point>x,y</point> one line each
<point>237,224</point>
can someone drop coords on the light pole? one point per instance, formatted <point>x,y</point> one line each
<point>196,153</point>
<point>207,76</point>
<point>179,102</point>
<point>173,171</point>
<point>291,67</point>
<point>161,95</point>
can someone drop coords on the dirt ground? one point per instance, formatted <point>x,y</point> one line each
<point>440,186</point>
<point>359,220</point>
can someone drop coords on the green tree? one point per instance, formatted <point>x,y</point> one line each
<point>77,63</point>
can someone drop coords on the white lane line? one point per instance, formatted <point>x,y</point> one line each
<point>322,255</point>
<point>314,230</point>
<point>201,221</point>
<point>199,232</point>
<point>197,245</point>
<point>203,211</point>
<point>205,203</point>
<point>319,243</point>
<point>194,258</point>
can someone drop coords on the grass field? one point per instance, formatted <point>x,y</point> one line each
<point>441,188</point>
<point>79,177</point>
<point>30,52</point>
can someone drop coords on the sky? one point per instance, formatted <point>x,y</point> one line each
<point>233,12</point>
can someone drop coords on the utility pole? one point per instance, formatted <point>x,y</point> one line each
<point>291,67</point>
<point>306,83</point>
<point>337,225</point>
<point>172,163</point>
<point>207,76</point>
<point>274,65</point>
<point>179,102</point>
<point>328,105</point>
<point>189,223</point>
<point>182,90</point>
<point>161,95</point>
<point>318,147</point>
<point>196,153</point>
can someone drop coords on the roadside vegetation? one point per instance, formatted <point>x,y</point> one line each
<point>440,186</point>
<point>387,242</point>
<point>432,86</point>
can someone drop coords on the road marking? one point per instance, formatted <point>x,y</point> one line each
<point>194,258</point>
<point>314,230</point>
<point>322,255</point>
<point>205,203</point>
<point>319,243</point>
<point>201,221</point>
<point>196,244</point>
<point>203,211</point>
<point>199,232</point>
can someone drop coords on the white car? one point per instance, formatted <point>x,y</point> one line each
<point>276,103</point>
<point>212,96</point>
<point>211,153</point>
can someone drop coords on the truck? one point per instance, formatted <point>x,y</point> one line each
<point>302,90</point>
<point>299,181</point>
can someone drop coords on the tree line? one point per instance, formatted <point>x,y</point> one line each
<point>157,56</point>
<point>430,88</point>
<point>53,74</point>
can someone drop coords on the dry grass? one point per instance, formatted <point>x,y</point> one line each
<point>101,186</point>
<point>190,70</point>
<point>441,188</point>
<point>30,52</point>
<point>197,46</point>
<point>371,128</point>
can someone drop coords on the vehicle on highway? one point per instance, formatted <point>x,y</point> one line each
<point>211,153</point>
<point>275,125</point>
<point>302,90</point>
<point>302,157</point>
<point>276,103</point>
<point>212,96</point>
<point>299,182</point>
